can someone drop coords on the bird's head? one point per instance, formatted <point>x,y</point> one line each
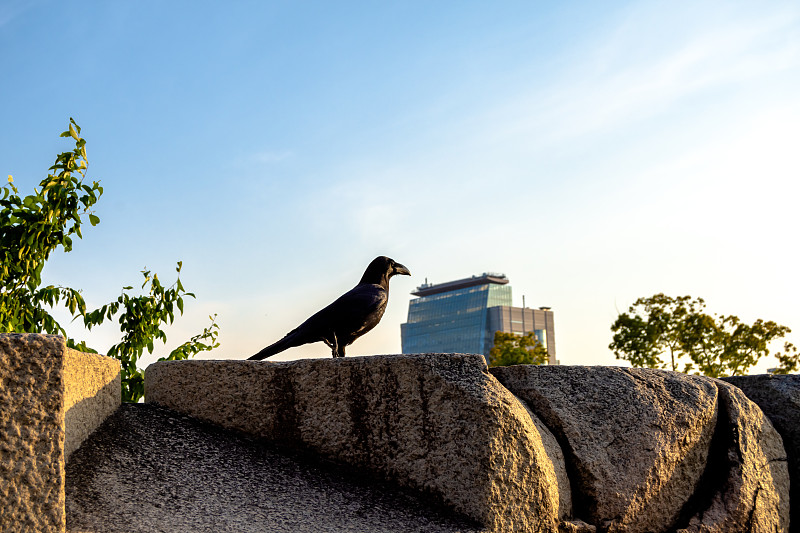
<point>381,269</point>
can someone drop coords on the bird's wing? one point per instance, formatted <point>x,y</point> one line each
<point>363,308</point>
<point>356,311</point>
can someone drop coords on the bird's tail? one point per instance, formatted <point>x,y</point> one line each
<point>284,344</point>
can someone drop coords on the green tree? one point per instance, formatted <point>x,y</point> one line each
<point>34,226</point>
<point>714,346</point>
<point>510,349</point>
<point>651,327</point>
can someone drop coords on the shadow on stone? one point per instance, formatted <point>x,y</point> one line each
<point>779,398</point>
<point>150,469</point>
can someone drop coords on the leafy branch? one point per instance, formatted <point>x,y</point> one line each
<point>34,226</point>
<point>142,320</point>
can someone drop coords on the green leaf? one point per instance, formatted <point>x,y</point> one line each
<point>32,227</point>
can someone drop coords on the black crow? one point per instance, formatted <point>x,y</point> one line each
<point>354,313</point>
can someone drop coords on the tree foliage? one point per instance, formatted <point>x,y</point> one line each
<point>680,328</point>
<point>652,327</point>
<point>789,359</point>
<point>510,349</point>
<point>34,226</point>
<point>142,319</point>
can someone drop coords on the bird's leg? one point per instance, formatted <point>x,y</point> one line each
<point>334,345</point>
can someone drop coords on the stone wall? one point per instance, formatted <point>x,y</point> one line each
<point>526,448</point>
<point>438,424</point>
<point>51,398</point>
<point>651,450</point>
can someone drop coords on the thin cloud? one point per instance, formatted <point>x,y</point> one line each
<point>613,87</point>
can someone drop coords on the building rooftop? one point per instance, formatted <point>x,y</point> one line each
<point>427,289</point>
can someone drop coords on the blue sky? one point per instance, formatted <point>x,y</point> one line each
<point>594,152</point>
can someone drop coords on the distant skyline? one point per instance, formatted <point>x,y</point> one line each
<point>594,153</point>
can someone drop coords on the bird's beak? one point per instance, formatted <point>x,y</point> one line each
<point>400,269</point>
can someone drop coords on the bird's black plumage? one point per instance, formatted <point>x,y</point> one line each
<point>354,313</point>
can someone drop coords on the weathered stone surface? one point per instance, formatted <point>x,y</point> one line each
<point>31,433</point>
<point>149,469</point>
<point>635,440</point>
<point>92,393</point>
<point>650,450</point>
<point>51,398</point>
<point>779,399</point>
<point>576,526</point>
<point>748,477</point>
<point>438,423</point>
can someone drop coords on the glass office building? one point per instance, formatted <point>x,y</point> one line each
<point>462,316</point>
